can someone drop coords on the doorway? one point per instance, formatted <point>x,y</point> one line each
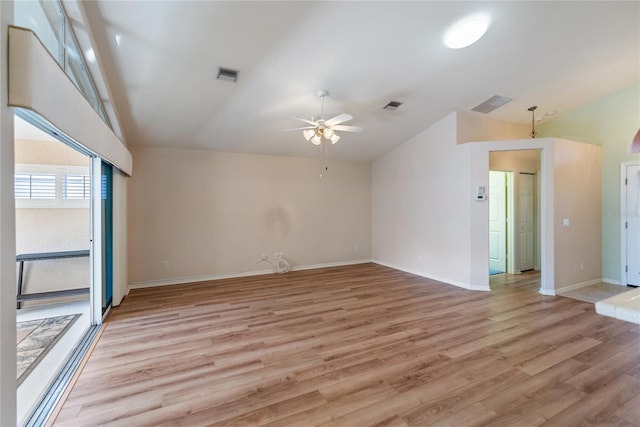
<point>52,191</point>
<point>514,218</point>
<point>630,223</point>
<point>500,222</point>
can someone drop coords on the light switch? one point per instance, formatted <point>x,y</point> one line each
<point>565,222</point>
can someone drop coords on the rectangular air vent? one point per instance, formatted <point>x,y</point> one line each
<point>392,106</point>
<point>491,104</point>
<point>227,74</point>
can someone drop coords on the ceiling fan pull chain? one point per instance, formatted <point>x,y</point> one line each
<point>326,167</point>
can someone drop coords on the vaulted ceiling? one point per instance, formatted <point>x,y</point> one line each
<point>160,61</point>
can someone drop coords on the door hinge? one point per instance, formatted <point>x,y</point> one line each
<point>626,181</point>
<point>626,268</point>
<point>626,225</point>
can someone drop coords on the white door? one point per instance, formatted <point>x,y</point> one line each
<point>526,212</point>
<point>497,222</point>
<point>633,225</point>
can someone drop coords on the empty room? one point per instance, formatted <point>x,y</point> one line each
<point>372,213</point>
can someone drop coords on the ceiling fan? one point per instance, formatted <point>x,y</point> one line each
<point>323,127</point>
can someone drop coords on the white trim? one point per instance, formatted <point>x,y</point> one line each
<point>331,264</point>
<point>623,218</point>
<point>444,280</point>
<point>210,277</point>
<point>548,292</point>
<point>577,286</point>
<point>96,241</point>
<point>612,281</point>
<point>479,174</point>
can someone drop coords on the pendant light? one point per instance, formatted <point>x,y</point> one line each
<point>533,132</point>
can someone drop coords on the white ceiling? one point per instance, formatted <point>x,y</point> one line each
<point>556,55</point>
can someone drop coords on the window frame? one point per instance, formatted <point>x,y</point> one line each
<point>60,171</point>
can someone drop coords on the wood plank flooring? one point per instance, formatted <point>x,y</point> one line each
<point>363,345</point>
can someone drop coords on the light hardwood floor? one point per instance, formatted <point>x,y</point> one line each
<point>362,345</point>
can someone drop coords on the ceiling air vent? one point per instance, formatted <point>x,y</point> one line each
<point>491,104</point>
<point>392,106</point>
<point>227,74</point>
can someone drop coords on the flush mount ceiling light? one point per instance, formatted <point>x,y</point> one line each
<point>467,31</point>
<point>322,127</point>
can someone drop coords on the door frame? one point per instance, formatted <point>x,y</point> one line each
<point>510,191</point>
<point>479,173</point>
<point>624,215</point>
<point>536,233</point>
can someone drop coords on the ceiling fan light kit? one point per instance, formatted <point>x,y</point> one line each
<point>322,128</point>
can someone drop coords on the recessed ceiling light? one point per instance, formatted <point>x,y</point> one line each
<point>467,31</point>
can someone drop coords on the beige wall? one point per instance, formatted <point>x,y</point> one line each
<point>515,161</point>
<point>211,213</point>
<point>474,127</point>
<point>48,153</point>
<point>422,221</point>
<point>52,229</point>
<point>577,197</point>
<point>610,122</point>
<point>420,207</point>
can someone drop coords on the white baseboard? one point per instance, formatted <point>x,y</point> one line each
<point>612,281</point>
<point>444,280</point>
<point>577,286</point>
<point>209,277</point>
<point>330,264</point>
<point>548,292</point>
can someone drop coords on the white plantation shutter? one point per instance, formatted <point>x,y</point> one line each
<point>52,186</point>
<point>35,186</point>
<point>23,186</point>
<point>76,187</point>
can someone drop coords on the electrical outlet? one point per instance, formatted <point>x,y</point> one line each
<point>581,265</point>
<point>165,265</point>
<point>355,248</point>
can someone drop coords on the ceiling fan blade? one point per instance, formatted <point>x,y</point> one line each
<point>347,128</point>
<point>338,119</point>
<point>311,122</point>
<point>302,128</point>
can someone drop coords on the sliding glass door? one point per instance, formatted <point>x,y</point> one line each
<point>106,205</point>
<point>102,263</point>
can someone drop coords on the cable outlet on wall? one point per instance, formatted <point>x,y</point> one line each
<point>278,255</point>
<point>165,265</point>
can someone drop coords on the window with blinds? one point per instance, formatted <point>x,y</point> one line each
<point>52,186</point>
<point>35,186</point>
<point>76,187</point>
